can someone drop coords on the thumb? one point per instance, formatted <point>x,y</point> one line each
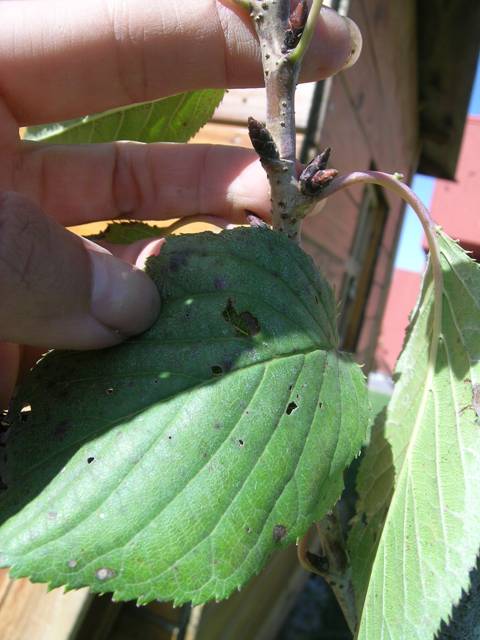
<point>61,292</point>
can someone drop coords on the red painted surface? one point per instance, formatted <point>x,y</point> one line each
<point>456,205</point>
<point>401,300</point>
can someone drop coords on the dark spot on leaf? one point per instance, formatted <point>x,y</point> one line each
<point>219,283</point>
<point>105,573</point>
<point>217,425</point>
<point>177,260</point>
<point>317,300</point>
<point>279,532</point>
<point>290,387</point>
<point>169,437</point>
<point>241,443</point>
<point>109,391</point>
<point>90,459</point>
<point>217,370</point>
<point>291,407</point>
<point>320,405</point>
<point>245,323</point>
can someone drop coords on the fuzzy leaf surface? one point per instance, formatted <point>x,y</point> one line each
<point>173,119</point>
<point>417,532</point>
<point>172,466</point>
<point>129,231</point>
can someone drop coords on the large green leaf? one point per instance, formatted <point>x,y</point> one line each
<point>417,532</point>
<point>171,467</point>
<point>173,119</point>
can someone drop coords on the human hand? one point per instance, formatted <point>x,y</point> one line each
<point>60,60</point>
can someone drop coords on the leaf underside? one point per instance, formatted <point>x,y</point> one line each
<point>173,119</point>
<point>417,532</point>
<point>170,467</point>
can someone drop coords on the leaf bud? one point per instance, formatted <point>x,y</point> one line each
<point>262,141</point>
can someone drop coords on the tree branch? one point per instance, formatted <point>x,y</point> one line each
<point>280,34</point>
<point>333,565</point>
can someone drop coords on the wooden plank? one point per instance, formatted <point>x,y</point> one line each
<point>220,133</point>
<point>239,104</point>
<point>230,134</point>
<point>29,612</point>
<point>384,85</point>
<point>332,230</point>
<point>243,614</point>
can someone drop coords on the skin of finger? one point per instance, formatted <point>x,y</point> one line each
<point>85,183</point>
<point>16,360</point>
<point>98,54</point>
<point>45,282</point>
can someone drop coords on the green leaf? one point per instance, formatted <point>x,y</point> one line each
<point>417,532</point>
<point>170,467</point>
<point>173,119</point>
<point>129,231</point>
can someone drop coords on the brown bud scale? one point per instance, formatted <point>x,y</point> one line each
<point>262,141</point>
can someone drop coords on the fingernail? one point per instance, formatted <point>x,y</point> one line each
<point>123,298</point>
<point>151,249</point>
<point>355,42</point>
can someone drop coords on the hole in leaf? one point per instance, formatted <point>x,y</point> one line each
<point>90,460</point>
<point>244,323</point>
<point>217,370</point>
<point>4,423</point>
<point>25,412</point>
<point>320,405</point>
<point>109,391</point>
<point>291,407</point>
<point>241,443</point>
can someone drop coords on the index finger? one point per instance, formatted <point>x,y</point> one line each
<point>60,60</point>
